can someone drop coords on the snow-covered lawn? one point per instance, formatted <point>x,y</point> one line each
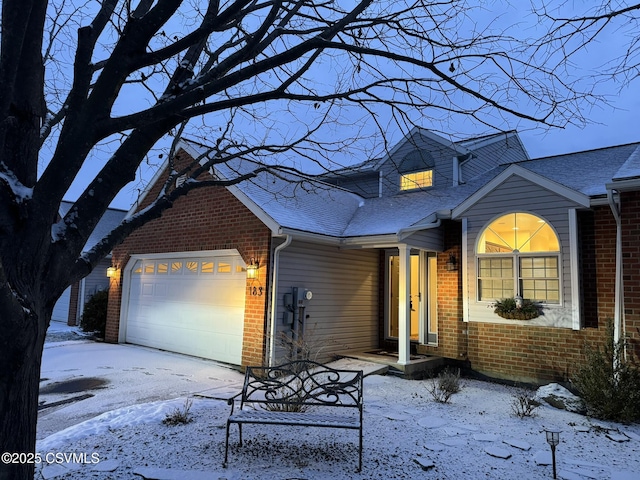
<point>406,434</point>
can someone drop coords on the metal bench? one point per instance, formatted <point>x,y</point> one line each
<point>301,393</point>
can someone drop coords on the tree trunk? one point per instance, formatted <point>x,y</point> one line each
<point>20,358</point>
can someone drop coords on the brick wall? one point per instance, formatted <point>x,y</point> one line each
<point>630,210</point>
<point>206,219</point>
<point>451,337</point>
<point>542,354</point>
<point>72,316</point>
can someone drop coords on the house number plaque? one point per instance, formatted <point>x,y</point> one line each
<point>255,291</point>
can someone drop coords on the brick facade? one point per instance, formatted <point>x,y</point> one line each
<point>213,219</point>
<point>451,328</point>
<point>630,203</point>
<point>72,317</point>
<point>542,354</point>
<point>206,219</point>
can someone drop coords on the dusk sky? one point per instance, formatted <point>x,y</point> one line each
<point>610,125</point>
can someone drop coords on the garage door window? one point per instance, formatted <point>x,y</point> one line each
<point>188,267</point>
<point>224,267</point>
<point>191,267</point>
<point>206,267</point>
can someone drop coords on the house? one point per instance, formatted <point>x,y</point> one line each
<point>405,254</point>
<point>70,305</point>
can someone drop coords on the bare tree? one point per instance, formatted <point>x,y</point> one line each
<point>571,29</point>
<point>105,81</point>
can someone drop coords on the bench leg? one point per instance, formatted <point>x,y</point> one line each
<point>360,454</point>
<point>226,447</point>
<point>226,443</point>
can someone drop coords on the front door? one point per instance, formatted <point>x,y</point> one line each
<point>422,297</point>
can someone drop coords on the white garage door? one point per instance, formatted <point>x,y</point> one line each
<point>61,308</point>
<point>189,305</point>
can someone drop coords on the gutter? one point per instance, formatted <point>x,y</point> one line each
<point>436,221</point>
<point>618,314</point>
<point>274,299</point>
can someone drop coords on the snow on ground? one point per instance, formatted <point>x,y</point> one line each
<point>406,433</point>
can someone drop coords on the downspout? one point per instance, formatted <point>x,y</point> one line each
<point>618,313</point>
<point>274,299</point>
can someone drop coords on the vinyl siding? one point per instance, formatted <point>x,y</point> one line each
<point>367,185</point>
<point>96,281</point>
<point>431,240</point>
<point>443,164</point>
<point>343,313</point>
<point>517,194</point>
<point>507,150</point>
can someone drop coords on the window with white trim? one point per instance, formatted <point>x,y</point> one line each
<point>414,180</point>
<point>519,254</point>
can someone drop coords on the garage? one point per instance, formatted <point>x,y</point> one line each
<point>190,305</point>
<point>61,308</point>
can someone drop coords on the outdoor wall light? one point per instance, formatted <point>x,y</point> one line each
<point>553,439</point>
<point>452,263</point>
<point>112,272</point>
<point>252,269</point>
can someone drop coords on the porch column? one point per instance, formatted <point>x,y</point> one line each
<point>404,309</point>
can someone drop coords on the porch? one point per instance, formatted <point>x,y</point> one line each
<point>416,368</point>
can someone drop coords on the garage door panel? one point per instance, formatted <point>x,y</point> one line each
<point>185,306</point>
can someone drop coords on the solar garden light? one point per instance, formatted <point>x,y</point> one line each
<point>553,439</point>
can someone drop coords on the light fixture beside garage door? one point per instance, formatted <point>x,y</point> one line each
<point>252,269</point>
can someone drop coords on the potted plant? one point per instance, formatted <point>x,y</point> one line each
<point>516,308</point>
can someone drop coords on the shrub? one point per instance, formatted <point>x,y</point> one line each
<point>506,308</point>
<point>180,416</point>
<point>524,403</point>
<point>610,388</point>
<point>94,316</point>
<point>444,385</point>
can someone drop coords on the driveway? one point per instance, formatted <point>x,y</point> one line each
<point>82,378</point>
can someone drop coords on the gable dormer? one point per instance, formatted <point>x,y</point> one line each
<point>424,160</point>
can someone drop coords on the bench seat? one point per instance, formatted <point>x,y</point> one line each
<point>305,419</point>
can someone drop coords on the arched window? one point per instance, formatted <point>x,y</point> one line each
<point>519,254</point>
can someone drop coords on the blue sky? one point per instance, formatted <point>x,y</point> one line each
<point>612,124</point>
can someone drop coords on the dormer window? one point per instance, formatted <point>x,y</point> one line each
<point>411,181</point>
<point>416,170</point>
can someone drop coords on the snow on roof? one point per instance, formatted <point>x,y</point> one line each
<point>290,200</point>
<point>586,172</point>
<point>111,219</point>
<point>309,205</point>
<point>630,168</point>
<point>302,204</point>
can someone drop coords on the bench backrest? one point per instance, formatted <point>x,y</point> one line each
<point>304,383</point>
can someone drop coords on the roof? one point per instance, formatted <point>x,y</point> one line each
<point>306,204</point>
<point>284,199</point>
<point>110,220</point>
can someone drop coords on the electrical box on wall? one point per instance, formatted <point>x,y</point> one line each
<point>287,300</point>
<point>301,296</point>
<point>293,302</point>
